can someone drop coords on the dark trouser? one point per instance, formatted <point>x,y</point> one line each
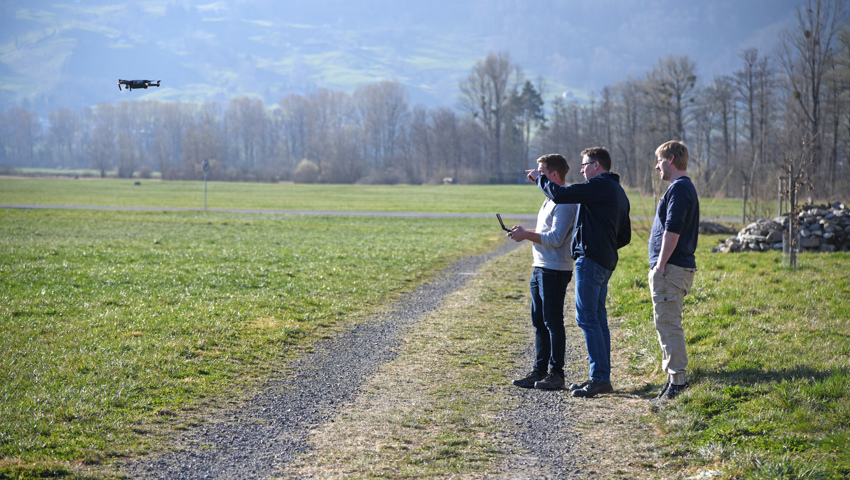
<point>548,289</point>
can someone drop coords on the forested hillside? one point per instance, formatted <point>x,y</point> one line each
<point>56,54</point>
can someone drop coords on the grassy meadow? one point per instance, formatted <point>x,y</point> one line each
<point>769,362</point>
<point>120,327</point>
<point>116,322</point>
<point>490,199</point>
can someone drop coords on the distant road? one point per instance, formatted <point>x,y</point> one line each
<point>518,216</point>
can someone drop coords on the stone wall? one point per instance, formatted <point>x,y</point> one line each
<point>823,228</point>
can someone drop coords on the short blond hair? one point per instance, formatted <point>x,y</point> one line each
<point>675,149</point>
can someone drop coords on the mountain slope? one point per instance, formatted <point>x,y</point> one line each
<point>71,54</point>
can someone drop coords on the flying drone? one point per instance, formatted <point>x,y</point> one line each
<point>131,84</point>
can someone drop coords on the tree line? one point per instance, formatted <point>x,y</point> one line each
<point>780,114</point>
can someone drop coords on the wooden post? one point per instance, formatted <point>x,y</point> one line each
<point>793,242</point>
<point>784,193</point>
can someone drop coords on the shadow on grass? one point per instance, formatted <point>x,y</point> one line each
<point>747,378</point>
<point>754,376</point>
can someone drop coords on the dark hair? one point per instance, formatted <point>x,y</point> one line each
<point>599,154</point>
<point>555,163</point>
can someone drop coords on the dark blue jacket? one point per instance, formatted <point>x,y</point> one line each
<point>678,212</point>
<point>602,223</point>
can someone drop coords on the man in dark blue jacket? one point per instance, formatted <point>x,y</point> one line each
<point>602,227</point>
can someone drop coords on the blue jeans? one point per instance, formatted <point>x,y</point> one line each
<point>548,289</point>
<point>592,317</point>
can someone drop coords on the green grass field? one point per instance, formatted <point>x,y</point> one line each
<point>119,328</point>
<point>769,361</point>
<point>518,199</point>
<point>116,321</point>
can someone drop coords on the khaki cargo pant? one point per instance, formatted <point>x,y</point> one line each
<point>668,295</point>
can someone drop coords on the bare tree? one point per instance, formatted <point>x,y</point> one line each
<point>24,131</point>
<point>705,123</point>
<point>328,115</point>
<point>798,156</point>
<point>293,128</point>
<point>805,54</point>
<point>102,147</point>
<point>127,153</point>
<point>168,129</point>
<point>747,86</point>
<point>247,127</point>
<point>486,93</point>
<point>671,86</point>
<point>628,130</point>
<point>606,112</point>
<point>383,112</point>
<point>755,85</point>
<point>448,143</point>
<point>203,140</point>
<point>418,152</point>
<point>839,103</point>
<point>64,125</point>
<point>721,94</point>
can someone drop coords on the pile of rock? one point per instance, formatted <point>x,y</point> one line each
<point>822,228</point>
<point>712,228</point>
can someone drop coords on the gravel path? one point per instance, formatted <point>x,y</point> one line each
<point>271,428</point>
<point>544,425</point>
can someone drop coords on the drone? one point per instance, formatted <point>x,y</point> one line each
<point>131,84</point>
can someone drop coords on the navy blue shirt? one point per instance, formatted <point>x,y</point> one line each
<point>678,212</point>
<point>602,224</point>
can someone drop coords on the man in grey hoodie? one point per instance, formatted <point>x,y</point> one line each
<point>553,270</point>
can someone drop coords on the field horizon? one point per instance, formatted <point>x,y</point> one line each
<point>287,197</point>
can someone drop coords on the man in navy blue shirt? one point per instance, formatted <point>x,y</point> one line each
<point>602,226</point>
<point>672,243</point>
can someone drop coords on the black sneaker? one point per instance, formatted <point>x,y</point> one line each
<point>593,389</point>
<point>579,386</point>
<point>553,381</point>
<point>673,391</point>
<point>663,390</point>
<point>530,379</point>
